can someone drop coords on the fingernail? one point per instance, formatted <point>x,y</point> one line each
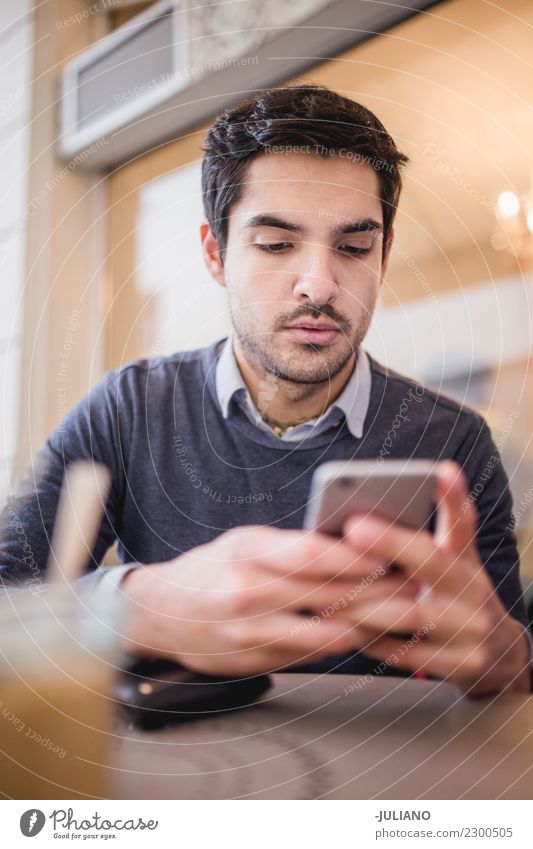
<point>367,529</point>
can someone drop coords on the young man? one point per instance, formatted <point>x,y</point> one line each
<point>212,451</point>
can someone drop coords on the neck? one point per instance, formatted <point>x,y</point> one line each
<point>285,402</point>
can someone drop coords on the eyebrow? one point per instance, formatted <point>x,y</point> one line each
<point>362,225</point>
<point>355,225</point>
<point>272,221</point>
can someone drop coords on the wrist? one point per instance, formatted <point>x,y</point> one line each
<point>512,669</point>
<point>519,674</point>
<point>153,627</point>
<point>138,590</point>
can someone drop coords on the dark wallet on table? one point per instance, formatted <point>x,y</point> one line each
<point>156,692</point>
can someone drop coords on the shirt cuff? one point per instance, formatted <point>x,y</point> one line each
<point>104,581</point>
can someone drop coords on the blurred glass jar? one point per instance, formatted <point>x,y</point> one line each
<point>58,654</point>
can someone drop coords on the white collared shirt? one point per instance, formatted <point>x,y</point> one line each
<point>352,403</point>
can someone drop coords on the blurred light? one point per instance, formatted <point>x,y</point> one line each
<point>508,204</point>
<point>513,226</point>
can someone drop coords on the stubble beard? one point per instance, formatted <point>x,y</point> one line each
<point>273,352</point>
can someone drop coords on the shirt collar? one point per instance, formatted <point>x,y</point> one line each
<point>352,402</point>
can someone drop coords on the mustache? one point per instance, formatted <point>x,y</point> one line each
<point>305,311</point>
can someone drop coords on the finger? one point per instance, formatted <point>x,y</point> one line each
<point>417,554</point>
<point>397,585</point>
<point>262,592</point>
<point>295,656</point>
<point>336,636</point>
<point>378,593</point>
<point>456,514</point>
<point>309,554</point>
<point>448,621</point>
<point>414,551</point>
<point>347,603</point>
<point>280,593</point>
<point>296,636</point>
<point>446,662</point>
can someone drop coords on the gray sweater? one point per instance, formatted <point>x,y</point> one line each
<point>182,474</point>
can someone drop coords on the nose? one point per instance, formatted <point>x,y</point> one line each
<point>315,280</point>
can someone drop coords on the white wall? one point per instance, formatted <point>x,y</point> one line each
<point>189,308</point>
<point>16,45</point>
<point>459,332</point>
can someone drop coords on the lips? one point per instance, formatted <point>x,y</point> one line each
<point>313,333</point>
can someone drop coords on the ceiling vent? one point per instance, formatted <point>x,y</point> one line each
<point>123,76</point>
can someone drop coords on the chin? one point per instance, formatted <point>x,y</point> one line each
<point>311,365</point>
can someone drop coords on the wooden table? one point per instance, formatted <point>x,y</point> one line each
<point>339,737</point>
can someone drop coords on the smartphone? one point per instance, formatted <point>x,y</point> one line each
<point>402,491</point>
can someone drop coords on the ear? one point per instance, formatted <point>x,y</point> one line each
<point>211,253</point>
<point>386,257</point>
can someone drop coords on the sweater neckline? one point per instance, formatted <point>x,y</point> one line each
<point>238,420</point>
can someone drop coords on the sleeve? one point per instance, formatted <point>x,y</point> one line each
<point>489,492</point>
<point>102,582</point>
<point>89,431</point>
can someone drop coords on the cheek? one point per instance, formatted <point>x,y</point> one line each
<point>250,294</point>
<point>361,283</point>
<point>255,282</point>
<point>245,272</point>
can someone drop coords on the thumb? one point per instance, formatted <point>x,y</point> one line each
<point>456,513</point>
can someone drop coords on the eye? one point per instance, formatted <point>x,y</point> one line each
<point>274,247</point>
<point>351,250</point>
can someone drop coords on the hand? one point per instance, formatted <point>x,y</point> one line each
<point>470,637</point>
<point>234,606</point>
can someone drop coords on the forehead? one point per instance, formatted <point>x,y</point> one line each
<point>310,184</point>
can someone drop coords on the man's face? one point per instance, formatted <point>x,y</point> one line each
<point>303,263</point>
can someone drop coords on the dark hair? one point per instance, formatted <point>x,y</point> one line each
<point>309,117</point>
